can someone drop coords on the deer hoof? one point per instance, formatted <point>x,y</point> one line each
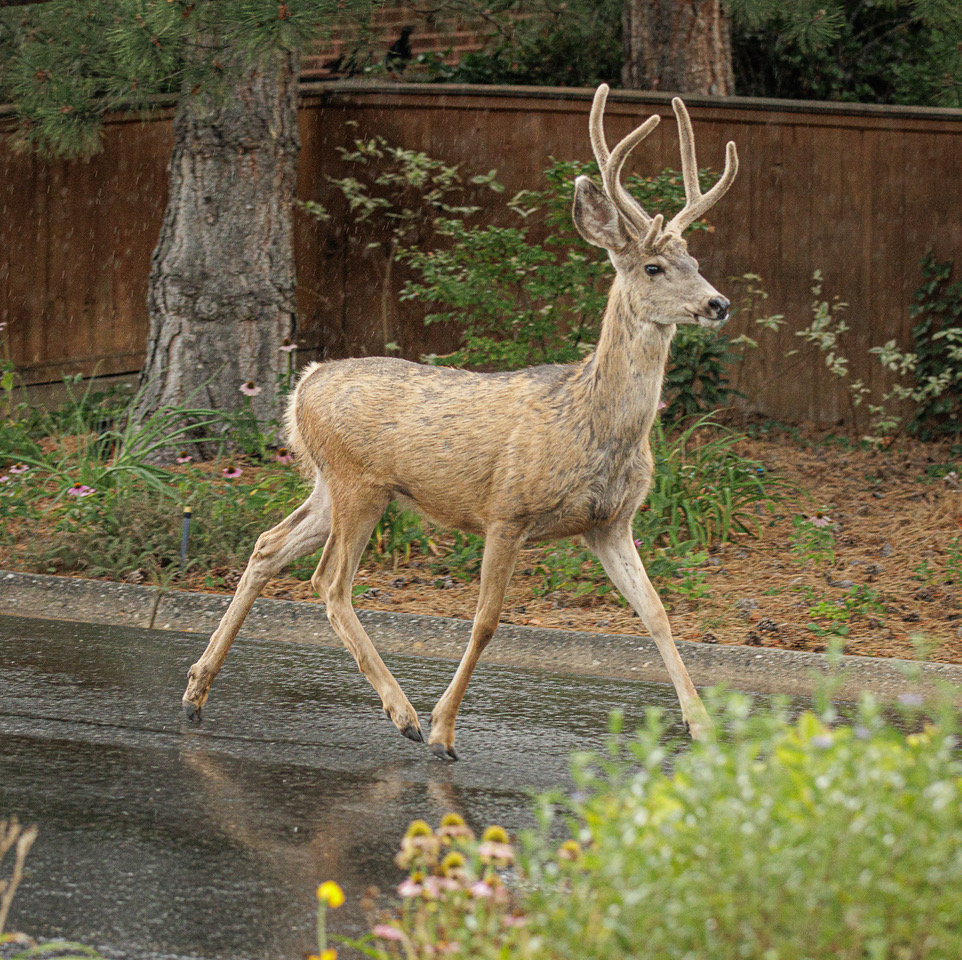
<point>413,732</point>
<point>442,752</point>
<point>191,712</point>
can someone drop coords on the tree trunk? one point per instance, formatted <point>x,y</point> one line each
<point>221,290</point>
<point>679,46</point>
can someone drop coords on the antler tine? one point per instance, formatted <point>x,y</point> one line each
<point>697,203</point>
<point>611,163</point>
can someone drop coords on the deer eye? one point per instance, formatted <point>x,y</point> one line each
<point>652,269</point>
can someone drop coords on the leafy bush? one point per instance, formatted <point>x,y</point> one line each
<point>567,43</point>
<point>522,300</point>
<point>796,840</point>
<point>937,338</point>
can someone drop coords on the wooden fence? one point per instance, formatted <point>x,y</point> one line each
<point>859,192</point>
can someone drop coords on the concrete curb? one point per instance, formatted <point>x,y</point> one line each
<point>556,651</point>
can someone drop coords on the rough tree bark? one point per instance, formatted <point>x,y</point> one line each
<point>221,289</point>
<point>679,46</point>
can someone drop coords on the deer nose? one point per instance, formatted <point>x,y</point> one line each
<point>720,305</point>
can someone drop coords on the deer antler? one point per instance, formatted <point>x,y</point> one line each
<point>611,163</point>
<point>697,203</point>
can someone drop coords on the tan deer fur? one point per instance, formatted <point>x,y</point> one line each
<point>536,454</point>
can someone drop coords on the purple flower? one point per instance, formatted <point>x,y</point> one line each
<point>480,889</point>
<point>637,544</point>
<point>19,468</point>
<point>287,346</point>
<point>283,455</point>
<point>184,457</point>
<point>662,404</point>
<point>385,931</point>
<point>231,472</point>
<point>911,700</point>
<point>4,478</point>
<point>80,490</point>
<point>820,520</point>
<point>250,389</point>
<point>408,888</point>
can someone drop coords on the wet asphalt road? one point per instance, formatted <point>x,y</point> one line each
<point>162,840</point>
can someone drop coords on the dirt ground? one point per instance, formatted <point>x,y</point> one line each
<point>894,590</point>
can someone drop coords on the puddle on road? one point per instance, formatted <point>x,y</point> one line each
<point>162,840</point>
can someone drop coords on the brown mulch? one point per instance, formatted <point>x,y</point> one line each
<point>893,524</point>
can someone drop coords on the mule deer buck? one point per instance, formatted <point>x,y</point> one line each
<point>537,454</point>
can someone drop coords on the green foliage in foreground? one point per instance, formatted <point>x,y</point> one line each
<point>782,841</point>
<point>785,840</point>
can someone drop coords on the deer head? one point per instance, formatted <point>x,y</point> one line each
<point>650,256</point>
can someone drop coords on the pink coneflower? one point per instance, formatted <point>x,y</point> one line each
<point>820,520</point>
<point>4,478</point>
<point>80,490</point>
<point>481,889</point>
<point>283,455</point>
<point>408,888</point>
<point>19,468</point>
<point>515,921</point>
<point>184,457</point>
<point>250,389</point>
<point>499,852</point>
<point>231,472</point>
<point>384,931</point>
<point>287,346</point>
<point>637,544</point>
<point>662,404</point>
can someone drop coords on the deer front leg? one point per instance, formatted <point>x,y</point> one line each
<point>353,519</point>
<point>501,549</point>
<point>614,548</point>
<point>297,535</point>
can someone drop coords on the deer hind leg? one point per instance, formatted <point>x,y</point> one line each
<point>614,548</point>
<point>299,534</point>
<point>354,515</point>
<point>500,555</point>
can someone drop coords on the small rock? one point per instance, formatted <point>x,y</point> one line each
<point>399,583</point>
<point>768,625</point>
<point>874,569</point>
<point>753,639</point>
<point>887,550</point>
<point>741,554</point>
<point>878,495</point>
<point>910,617</point>
<point>711,638</point>
<point>862,511</point>
<point>746,604</point>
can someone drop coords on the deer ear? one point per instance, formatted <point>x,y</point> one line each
<point>597,219</point>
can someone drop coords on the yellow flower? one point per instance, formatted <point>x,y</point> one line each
<point>452,862</point>
<point>452,820</point>
<point>495,834</point>
<point>419,828</point>
<point>331,894</point>
<point>324,955</point>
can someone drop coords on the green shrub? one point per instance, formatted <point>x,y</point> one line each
<point>784,840</point>
<point>937,339</point>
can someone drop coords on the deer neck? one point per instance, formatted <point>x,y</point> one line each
<point>623,377</point>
